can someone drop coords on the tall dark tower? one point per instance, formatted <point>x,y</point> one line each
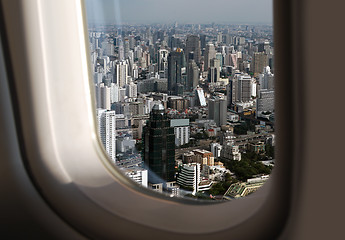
<point>193,45</point>
<point>176,62</point>
<point>159,146</point>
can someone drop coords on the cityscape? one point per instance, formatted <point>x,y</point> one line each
<point>187,109</point>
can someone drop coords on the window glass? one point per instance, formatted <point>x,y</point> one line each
<point>185,93</point>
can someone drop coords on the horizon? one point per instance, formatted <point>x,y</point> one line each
<point>239,12</point>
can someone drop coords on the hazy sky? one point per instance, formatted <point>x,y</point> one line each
<point>182,11</point>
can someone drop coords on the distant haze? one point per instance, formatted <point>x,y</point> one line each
<point>181,11</point>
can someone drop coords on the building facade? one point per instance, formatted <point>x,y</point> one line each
<point>189,177</point>
<point>159,146</point>
<point>182,131</point>
<point>217,111</point>
<point>175,64</point>
<point>107,129</point>
<point>193,45</point>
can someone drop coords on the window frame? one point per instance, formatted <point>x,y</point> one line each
<point>45,96</point>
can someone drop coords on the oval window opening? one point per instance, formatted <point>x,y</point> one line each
<point>185,93</point>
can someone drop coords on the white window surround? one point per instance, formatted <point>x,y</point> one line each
<point>66,158</point>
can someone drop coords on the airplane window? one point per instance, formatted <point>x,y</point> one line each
<point>185,93</point>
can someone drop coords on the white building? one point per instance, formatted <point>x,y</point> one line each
<point>121,73</point>
<point>114,93</point>
<point>106,128</point>
<point>138,175</point>
<point>190,176</point>
<point>266,79</point>
<point>182,131</point>
<point>162,60</point>
<point>200,97</point>
<point>216,149</point>
<point>241,89</point>
<point>131,90</point>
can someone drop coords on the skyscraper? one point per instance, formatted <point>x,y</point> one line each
<point>175,65</point>
<point>159,146</point>
<point>126,48</point>
<point>241,88</point>
<point>103,96</point>
<point>121,73</point>
<point>210,53</point>
<point>192,75</point>
<point>106,127</point>
<point>193,45</point>
<point>214,70</point>
<point>163,61</point>
<point>260,61</point>
<point>266,79</point>
<point>217,111</point>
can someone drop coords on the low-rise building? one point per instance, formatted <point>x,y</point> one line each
<point>125,144</point>
<point>204,157</point>
<point>189,157</point>
<point>256,147</point>
<point>238,190</point>
<point>138,175</point>
<point>231,152</point>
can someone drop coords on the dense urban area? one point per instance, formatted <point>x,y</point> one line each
<point>187,109</point>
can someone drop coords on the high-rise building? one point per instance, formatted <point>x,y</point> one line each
<point>217,110</point>
<point>210,53</point>
<point>203,41</point>
<point>131,90</point>
<point>126,48</point>
<point>106,127</point>
<point>121,73</point>
<point>103,96</point>
<point>163,62</point>
<point>200,99</point>
<point>193,45</point>
<point>266,79</point>
<point>121,54</point>
<point>192,75</point>
<point>260,61</point>
<point>264,46</point>
<point>241,88</point>
<point>233,60</point>
<point>264,103</point>
<point>159,146</point>
<point>220,38</point>
<point>219,56</point>
<point>214,70</point>
<point>175,65</point>
<point>108,47</point>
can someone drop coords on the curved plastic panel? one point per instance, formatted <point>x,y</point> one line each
<point>49,56</point>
